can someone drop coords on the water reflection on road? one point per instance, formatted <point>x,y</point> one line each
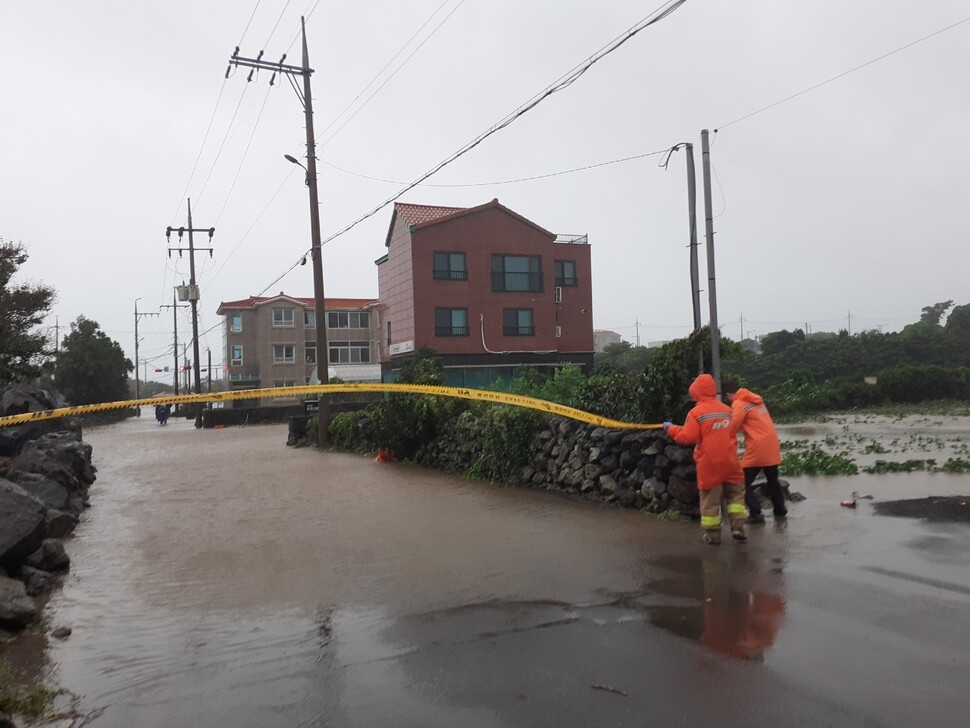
<point>221,577</point>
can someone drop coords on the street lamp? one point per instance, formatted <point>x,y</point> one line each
<point>316,255</point>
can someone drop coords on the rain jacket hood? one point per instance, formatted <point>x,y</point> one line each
<point>703,388</point>
<point>750,417</point>
<point>748,397</point>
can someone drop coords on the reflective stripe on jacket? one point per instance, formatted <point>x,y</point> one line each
<point>708,428</point>
<point>750,416</point>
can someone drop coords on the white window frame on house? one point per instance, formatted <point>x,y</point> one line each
<point>283,318</point>
<point>235,361</point>
<point>348,319</point>
<point>235,322</point>
<point>558,294</point>
<point>310,352</point>
<point>558,332</point>
<point>284,354</point>
<point>309,319</point>
<point>349,352</point>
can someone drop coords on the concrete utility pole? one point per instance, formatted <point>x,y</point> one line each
<point>695,288</point>
<point>316,249</point>
<point>175,306</point>
<point>193,297</point>
<point>137,381</point>
<point>711,287</point>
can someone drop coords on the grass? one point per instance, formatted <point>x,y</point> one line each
<point>31,701</point>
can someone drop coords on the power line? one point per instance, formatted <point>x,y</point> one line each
<point>277,24</point>
<point>508,181</point>
<point>253,224</point>
<point>564,82</point>
<point>845,73</point>
<point>246,29</point>
<point>223,145</point>
<point>396,70</point>
<point>245,154</point>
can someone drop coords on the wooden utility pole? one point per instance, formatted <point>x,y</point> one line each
<point>316,250</point>
<point>193,297</point>
<point>711,287</point>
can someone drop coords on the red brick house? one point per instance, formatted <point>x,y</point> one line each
<point>487,289</point>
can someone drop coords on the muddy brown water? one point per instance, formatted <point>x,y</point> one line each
<point>221,577</point>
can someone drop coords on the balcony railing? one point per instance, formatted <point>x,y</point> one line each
<point>518,330</point>
<point>516,281</point>
<point>563,281</point>
<point>572,239</point>
<point>451,331</point>
<point>450,275</point>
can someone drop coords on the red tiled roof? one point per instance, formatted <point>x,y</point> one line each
<point>417,214</point>
<point>329,303</point>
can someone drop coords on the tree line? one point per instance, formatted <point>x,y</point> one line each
<point>87,367</point>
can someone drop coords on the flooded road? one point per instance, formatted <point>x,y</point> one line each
<point>223,578</point>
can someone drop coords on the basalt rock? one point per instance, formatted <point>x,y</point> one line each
<point>17,609</point>
<point>22,525</point>
<point>51,556</point>
<point>62,457</point>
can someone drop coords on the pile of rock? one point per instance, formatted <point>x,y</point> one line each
<point>45,472</point>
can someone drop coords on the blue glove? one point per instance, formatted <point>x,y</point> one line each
<point>667,425</point>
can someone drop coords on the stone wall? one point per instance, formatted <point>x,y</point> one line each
<point>633,468</point>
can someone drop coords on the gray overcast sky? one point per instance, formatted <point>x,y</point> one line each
<point>851,197</point>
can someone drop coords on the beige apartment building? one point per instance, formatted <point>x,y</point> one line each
<point>272,342</point>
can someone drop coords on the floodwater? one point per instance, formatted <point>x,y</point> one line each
<point>221,577</point>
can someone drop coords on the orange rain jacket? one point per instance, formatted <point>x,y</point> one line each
<point>750,416</point>
<point>708,428</point>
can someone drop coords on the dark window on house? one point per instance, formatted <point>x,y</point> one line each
<point>348,320</point>
<point>451,322</point>
<point>565,272</point>
<point>516,273</point>
<point>309,319</point>
<point>349,352</point>
<point>282,317</point>
<point>517,322</point>
<point>450,267</point>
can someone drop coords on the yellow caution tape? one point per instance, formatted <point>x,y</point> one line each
<point>517,400</point>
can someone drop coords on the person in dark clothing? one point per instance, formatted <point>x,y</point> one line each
<point>762,450</point>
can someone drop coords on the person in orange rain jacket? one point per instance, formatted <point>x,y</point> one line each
<point>762,449</point>
<point>719,475</point>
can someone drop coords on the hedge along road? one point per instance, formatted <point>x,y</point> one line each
<point>516,400</point>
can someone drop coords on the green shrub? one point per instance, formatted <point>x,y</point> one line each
<point>919,383</point>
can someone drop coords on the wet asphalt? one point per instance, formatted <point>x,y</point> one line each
<point>222,578</point>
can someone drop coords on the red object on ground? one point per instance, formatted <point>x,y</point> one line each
<point>218,427</point>
<point>385,456</point>
<point>848,503</point>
